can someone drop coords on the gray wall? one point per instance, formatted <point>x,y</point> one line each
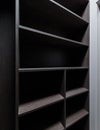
<point>93,66</point>
<point>98,78</point>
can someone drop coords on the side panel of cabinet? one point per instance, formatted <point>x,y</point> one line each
<point>7,65</point>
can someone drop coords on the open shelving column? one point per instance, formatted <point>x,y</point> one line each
<point>52,64</point>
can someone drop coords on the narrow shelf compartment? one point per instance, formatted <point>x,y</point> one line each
<point>56,126</point>
<point>48,17</point>
<point>49,118</point>
<point>82,124</point>
<point>31,106</point>
<point>55,39</point>
<point>57,3</point>
<point>42,52</point>
<point>77,103</point>
<point>38,89</point>
<point>71,120</point>
<point>77,79</point>
<point>77,6</point>
<point>76,92</point>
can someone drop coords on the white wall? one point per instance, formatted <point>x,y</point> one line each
<point>93,66</point>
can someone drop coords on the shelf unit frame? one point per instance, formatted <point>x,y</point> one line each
<point>32,70</point>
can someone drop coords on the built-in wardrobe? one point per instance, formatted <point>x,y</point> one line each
<point>44,65</point>
<point>52,64</point>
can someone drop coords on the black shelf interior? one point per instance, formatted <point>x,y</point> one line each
<point>44,119</point>
<point>80,125</point>
<point>77,6</point>
<point>54,39</point>
<point>77,79</point>
<point>46,16</point>
<point>40,51</point>
<point>78,102</point>
<point>38,85</point>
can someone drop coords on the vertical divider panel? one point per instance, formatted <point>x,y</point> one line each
<point>65,99</point>
<point>87,105</point>
<point>17,64</point>
<point>63,94</point>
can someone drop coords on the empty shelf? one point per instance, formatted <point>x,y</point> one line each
<point>49,17</point>
<point>64,8</point>
<point>57,126</point>
<point>59,39</point>
<point>77,6</point>
<point>76,117</point>
<point>76,92</point>
<point>28,107</point>
<point>50,69</point>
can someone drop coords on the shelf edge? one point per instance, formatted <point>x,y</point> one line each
<point>51,69</point>
<point>76,92</point>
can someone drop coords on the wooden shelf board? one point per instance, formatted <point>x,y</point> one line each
<point>51,69</point>
<point>67,42</point>
<point>78,68</point>
<point>71,120</point>
<point>31,106</point>
<point>76,92</point>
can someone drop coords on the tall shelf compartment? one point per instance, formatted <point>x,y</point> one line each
<point>52,64</point>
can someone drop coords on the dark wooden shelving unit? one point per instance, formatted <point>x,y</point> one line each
<point>52,64</point>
